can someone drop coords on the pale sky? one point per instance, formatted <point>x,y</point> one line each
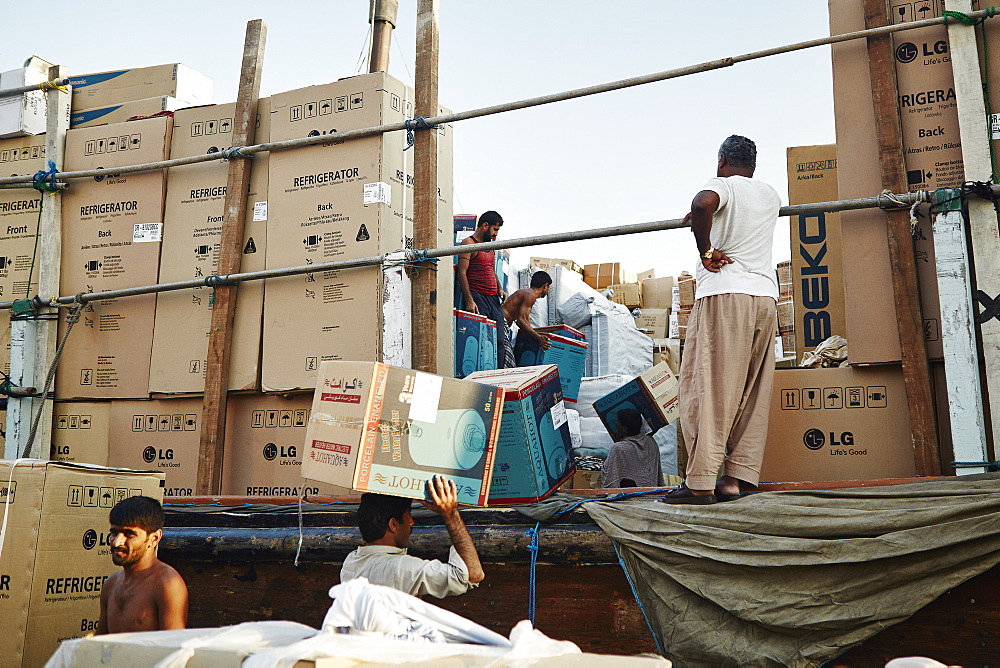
<point>622,157</point>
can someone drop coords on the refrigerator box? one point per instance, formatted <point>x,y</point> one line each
<point>160,434</point>
<point>24,114</point>
<point>80,432</point>
<point>112,227</point>
<point>377,428</point>
<point>475,343</point>
<point>629,294</point>
<point>123,111</point>
<point>100,89</point>
<point>600,276</point>
<point>653,394</point>
<point>56,555</point>
<point>570,355</point>
<point>193,215</point>
<point>532,457</point>
<point>657,292</point>
<point>655,321</point>
<point>843,423</point>
<point>264,436</point>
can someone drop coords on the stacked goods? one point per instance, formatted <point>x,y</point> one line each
<point>645,275</point>
<point>602,276</point>
<point>532,457</point>
<point>654,322</point>
<point>376,428</point>
<point>627,294</point>
<point>786,321</point>
<point>112,227</point>
<point>80,432</point>
<point>56,556</point>
<point>569,354</point>
<point>669,351</point>
<point>678,324</point>
<point>686,291</point>
<point>475,343</point>
<point>19,247</point>
<point>341,202</point>
<point>658,292</point>
<point>193,215</point>
<point>546,263</point>
<point>24,114</point>
<point>784,272</point>
<point>114,97</point>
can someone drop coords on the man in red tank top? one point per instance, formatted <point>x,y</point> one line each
<point>478,280</point>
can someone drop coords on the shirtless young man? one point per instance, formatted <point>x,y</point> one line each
<point>147,594</point>
<point>517,307</point>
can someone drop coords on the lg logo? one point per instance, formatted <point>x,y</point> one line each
<point>288,454</point>
<point>907,52</point>
<point>149,454</point>
<point>89,539</point>
<point>814,439</point>
<point>270,452</point>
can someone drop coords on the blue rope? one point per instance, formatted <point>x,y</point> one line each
<point>235,152</point>
<point>45,181</point>
<point>215,279</point>
<point>420,122</point>
<point>635,594</point>
<point>616,497</point>
<point>533,548</point>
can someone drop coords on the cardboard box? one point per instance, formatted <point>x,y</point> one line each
<point>123,111</point>
<point>646,275</point>
<point>629,294</point>
<point>338,202</point>
<point>600,276</point>
<point>817,271</point>
<point>846,423</point>
<point>788,345</point>
<point>533,449</point>
<point>669,351</point>
<point>163,435</point>
<point>24,114</point>
<point>933,159</point>
<point>264,436</point>
<point>786,317</point>
<point>583,480</point>
<point>653,394</point>
<point>654,321</point>
<point>545,263</point>
<point>193,215</point>
<point>111,239</point>
<point>101,89</point>
<point>658,292</point>
<point>377,428</point>
<point>475,343</point>
<point>686,291</point>
<point>56,557</point>
<point>562,330</point>
<point>80,432</point>
<point>784,271</point>
<point>570,355</point>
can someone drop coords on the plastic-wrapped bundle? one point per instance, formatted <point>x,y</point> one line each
<point>617,347</point>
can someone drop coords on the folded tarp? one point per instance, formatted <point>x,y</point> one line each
<point>796,578</point>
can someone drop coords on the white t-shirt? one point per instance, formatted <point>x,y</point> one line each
<point>743,229</point>
<point>393,567</point>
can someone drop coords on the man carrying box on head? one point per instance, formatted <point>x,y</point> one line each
<point>517,308</point>
<point>477,279</point>
<point>385,524</point>
<point>728,365</point>
<point>147,594</point>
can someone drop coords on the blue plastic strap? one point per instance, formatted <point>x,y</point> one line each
<point>45,180</point>
<point>533,548</point>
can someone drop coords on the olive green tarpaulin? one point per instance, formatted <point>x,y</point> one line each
<point>795,578</point>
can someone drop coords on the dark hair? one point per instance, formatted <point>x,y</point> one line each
<point>739,151</point>
<point>630,419</point>
<point>540,278</point>
<point>489,218</point>
<point>375,512</point>
<point>137,511</point>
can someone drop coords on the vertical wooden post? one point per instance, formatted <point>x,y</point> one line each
<point>424,283</point>
<point>916,372</point>
<point>213,430</point>
<point>973,128</point>
<point>383,20</point>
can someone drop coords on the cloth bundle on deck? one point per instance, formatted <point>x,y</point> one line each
<point>795,578</point>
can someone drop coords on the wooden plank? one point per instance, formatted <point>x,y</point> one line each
<point>424,280</point>
<point>982,217</point>
<point>212,445</point>
<point>916,370</point>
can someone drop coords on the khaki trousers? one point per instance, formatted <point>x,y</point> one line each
<point>725,387</point>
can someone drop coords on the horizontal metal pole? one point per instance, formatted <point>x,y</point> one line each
<point>881,201</point>
<point>11,92</point>
<point>337,137</point>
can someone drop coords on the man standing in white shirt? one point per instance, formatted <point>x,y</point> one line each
<point>728,366</point>
<point>385,524</point>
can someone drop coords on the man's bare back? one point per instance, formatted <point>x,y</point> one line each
<point>517,307</point>
<point>151,600</point>
<point>521,301</point>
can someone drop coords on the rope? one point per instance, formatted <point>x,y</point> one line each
<point>989,466</point>
<point>420,122</point>
<point>53,85</point>
<point>635,595</point>
<point>533,548</point>
<point>235,152</point>
<point>215,279</point>
<point>45,180</point>
<point>71,319</point>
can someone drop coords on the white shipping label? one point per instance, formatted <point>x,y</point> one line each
<point>426,395</point>
<point>259,211</point>
<point>558,413</point>
<point>147,232</point>
<point>378,192</point>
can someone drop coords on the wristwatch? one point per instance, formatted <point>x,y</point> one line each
<point>707,255</point>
